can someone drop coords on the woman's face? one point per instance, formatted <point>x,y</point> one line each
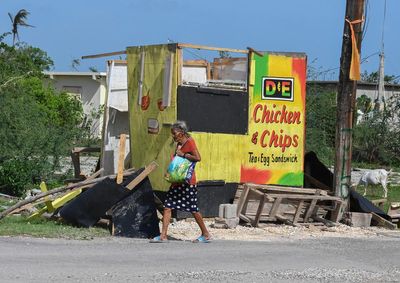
<point>177,135</point>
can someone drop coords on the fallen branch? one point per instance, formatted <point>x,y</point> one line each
<point>7,196</point>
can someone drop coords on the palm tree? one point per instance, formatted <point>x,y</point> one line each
<point>18,20</point>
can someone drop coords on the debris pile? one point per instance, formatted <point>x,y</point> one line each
<point>292,206</point>
<point>85,202</point>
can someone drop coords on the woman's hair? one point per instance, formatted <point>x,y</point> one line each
<point>180,126</point>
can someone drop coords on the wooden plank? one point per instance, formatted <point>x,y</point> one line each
<point>337,212</point>
<point>270,188</point>
<point>195,63</point>
<point>121,158</point>
<point>109,62</point>
<point>48,203</point>
<point>275,207</point>
<point>305,197</point>
<point>204,47</point>
<point>103,54</point>
<point>298,211</point>
<point>310,210</point>
<point>254,51</point>
<point>382,222</point>
<point>58,202</point>
<point>255,193</point>
<point>7,196</point>
<point>259,210</point>
<point>208,71</point>
<point>275,189</point>
<point>150,168</point>
<point>179,60</point>
<point>245,218</point>
<point>242,200</point>
<point>25,207</point>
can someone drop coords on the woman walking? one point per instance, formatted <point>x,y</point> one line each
<point>183,196</point>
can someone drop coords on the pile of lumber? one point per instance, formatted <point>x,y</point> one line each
<point>57,197</point>
<point>292,206</point>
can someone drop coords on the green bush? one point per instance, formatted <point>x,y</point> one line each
<point>377,138</point>
<point>38,124</point>
<point>321,123</point>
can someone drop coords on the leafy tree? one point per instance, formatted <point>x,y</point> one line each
<point>364,103</point>
<point>377,138</point>
<point>19,20</point>
<point>373,77</point>
<point>38,124</point>
<point>320,122</point>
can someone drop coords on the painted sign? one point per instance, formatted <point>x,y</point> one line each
<point>275,145</point>
<point>270,151</point>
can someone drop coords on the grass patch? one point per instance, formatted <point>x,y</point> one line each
<point>376,192</point>
<point>15,225</point>
<point>19,225</point>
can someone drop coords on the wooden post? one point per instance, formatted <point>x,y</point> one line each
<point>121,158</point>
<point>346,101</point>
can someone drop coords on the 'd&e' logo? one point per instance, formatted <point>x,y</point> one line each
<point>277,88</point>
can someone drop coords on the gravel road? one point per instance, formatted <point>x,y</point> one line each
<point>321,259</point>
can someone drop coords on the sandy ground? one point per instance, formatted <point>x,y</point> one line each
<point>188,230</point>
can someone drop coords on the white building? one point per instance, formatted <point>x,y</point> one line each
<point>88,87</point>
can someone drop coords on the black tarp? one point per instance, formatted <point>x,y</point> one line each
<point>358,203</point>
<point>135,216</point>
<point>317,170</point>
<point>87,208</point>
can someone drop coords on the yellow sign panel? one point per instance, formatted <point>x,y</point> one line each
<point>275,144</point>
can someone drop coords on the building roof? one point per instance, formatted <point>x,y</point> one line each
<point>94,75</point>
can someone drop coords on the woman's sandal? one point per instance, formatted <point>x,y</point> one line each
<point>158,239</point>
<point>201,239</point>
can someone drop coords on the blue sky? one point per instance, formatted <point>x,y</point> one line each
<point>67,30</point>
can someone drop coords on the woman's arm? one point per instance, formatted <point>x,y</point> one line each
<point>193,156</point>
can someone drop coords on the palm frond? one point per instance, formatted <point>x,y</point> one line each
<point>19,20</point>
<point>11,17</point>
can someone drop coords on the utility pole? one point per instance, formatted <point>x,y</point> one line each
<point>346,100</point>
<point>381,85</point>
<point>381,97</point>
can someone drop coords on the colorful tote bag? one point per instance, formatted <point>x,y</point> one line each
<point>180,170</point>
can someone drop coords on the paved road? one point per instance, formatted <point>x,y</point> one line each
<point>374,259</point>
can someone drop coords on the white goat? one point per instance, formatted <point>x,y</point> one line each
<point>375,177</point>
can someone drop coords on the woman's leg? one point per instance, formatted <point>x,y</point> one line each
<point>165,223</point>
<point>200,222</point>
